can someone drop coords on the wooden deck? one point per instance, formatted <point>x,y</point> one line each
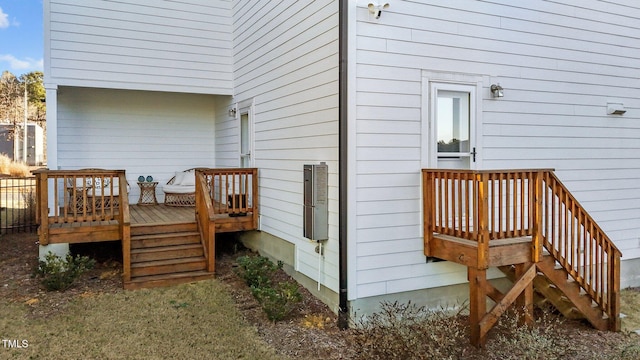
<point>161,245</point>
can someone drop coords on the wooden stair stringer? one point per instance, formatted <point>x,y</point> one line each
<point>572,291</point>
<point>546,292</point>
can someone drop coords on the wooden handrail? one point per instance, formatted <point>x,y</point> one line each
<point>498,204</point>
<point>581,247</point>
<point>205,217</point>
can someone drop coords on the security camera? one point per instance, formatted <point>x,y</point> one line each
<point>376,9</point>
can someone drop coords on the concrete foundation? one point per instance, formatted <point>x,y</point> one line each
<point>59,249</point>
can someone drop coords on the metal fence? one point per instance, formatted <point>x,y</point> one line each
<point>17,204</point>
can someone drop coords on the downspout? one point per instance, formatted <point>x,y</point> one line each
<point>343,311</point>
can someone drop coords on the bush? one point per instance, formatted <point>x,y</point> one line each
<point>278,301</point>
<point>407,331</point>
<point>257,271</point>
<point>59,273</point>
<point>543,340</point>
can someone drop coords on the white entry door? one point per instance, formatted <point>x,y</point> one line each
<point>453,126</point>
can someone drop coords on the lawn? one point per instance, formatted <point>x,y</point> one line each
<point>192,321</point>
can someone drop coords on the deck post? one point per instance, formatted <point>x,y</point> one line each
<point>483,221</point>
<point>427,205</point>
<point>477,304</point>
<point>124,218</point>
<point>254,197</point>
<point>536,215</point>
<point>524,302</point>
<point>211,247</point>
<point>43,206</point>
<point>614,290</point>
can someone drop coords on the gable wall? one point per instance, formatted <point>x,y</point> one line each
<point>559,64</point>
<point>183,46</point>
<point>286,69</point>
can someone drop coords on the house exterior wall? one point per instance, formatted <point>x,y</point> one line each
<point>286,75</point>
<point>559,64</point>
<point>144,133</point>
<point>183,46</point>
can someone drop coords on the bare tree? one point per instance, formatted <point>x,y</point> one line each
<point>12,101</point>
<point>10,93</point>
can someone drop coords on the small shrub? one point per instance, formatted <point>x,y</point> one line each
<point>407,331</point>
<point>256,271</point>
<point>29,198</point>
<point>279,301</point>
<point>542,340</point>
<point>59,273</point>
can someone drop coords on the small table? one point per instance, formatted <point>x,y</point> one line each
<point>148,193</point>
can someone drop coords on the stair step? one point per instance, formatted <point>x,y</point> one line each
<point>166,252</point>
<point>167,279</point>
<point>150,229</point>
<point>174,238</point>
<point>158,267</point>
<point>574,293</point>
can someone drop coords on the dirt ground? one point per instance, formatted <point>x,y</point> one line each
<point>311,333</point>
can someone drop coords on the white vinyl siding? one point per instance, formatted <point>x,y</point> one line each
<point>144,133</point>
<point>559,65</point>
<point>286,62</point>
<point>170,46</point>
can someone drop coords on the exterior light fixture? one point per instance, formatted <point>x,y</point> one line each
<point>232,112</point>
<point>376,9</point>
<point>615,109</point>
<point>497,91</point>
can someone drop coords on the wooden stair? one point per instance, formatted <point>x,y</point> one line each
<point>554,286</point>
<point>574,293</point>
<point>547,294</point>
<point>467,211</point>
<point>167,254</point>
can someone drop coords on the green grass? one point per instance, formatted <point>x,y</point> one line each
<point>192,321</point>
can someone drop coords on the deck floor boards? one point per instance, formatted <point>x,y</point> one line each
<point>154,214</point>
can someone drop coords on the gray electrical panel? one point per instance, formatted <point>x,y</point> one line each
<point>316,210</point>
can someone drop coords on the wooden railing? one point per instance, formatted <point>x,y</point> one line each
<point>205,217</point>
<point>488,205</point>
<point>79,196</point>
<point>580,246</point>
<point>233,191</point>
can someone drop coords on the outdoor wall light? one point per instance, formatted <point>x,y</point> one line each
<point>615,109</point>
<point>497,91</point>
<point>232,112</point>
<point>376,9</point>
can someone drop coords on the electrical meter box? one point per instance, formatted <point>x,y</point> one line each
<point>316,209</point>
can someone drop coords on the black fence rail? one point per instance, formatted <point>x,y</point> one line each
<point>17,204</point>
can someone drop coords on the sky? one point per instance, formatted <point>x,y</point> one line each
<point>21,39</point>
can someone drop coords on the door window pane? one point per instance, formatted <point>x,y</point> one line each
<point>452,122</point>
<point>245,151</point>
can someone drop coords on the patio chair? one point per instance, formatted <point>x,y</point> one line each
<point>103,190</point>
<point>90,187</point>
<point>180,190</point>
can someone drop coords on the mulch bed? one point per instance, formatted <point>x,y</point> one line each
<point>311,333</point>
